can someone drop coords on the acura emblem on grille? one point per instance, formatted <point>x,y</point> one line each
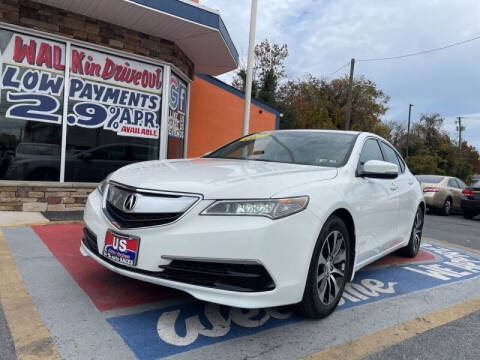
<point>130,202</point>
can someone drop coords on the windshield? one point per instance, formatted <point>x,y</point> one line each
<point>297,147</point>
<point>432,179</point>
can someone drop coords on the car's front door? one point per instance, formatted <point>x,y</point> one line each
<point>407,198</point>
<point>376,205</point>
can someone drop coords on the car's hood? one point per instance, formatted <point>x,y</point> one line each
<point>219,178</point>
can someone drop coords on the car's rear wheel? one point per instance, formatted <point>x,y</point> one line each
<point>447,207</point>
<point>468,215</point>
<point>329,269</point>
<point>411,250</point>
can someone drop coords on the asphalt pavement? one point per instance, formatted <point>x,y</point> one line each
<point>457,339</point>
<point>454,229</point>
<point>7,348</point>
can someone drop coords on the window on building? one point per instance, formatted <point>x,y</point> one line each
<point>114,112</point>
<point>31,106</point>
<point>113,108</point>
<point>177,114</point>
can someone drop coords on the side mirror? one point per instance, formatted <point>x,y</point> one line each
<point>378,170</point>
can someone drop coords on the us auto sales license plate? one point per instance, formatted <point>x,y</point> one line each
<point>122,249</point>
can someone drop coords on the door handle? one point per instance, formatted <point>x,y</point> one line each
<point>394,187</point>
<point>410,182</point>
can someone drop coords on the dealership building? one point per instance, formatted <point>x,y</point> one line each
<point>89,86</point>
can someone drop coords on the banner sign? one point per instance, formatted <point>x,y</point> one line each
<point>115,94</point>
<point>32,78</point>
<point>106,91</point>
<point>178,107</point>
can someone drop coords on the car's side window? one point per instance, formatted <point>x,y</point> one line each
<point>402,164</point>
<point>390,155</point>
<point>461,183</point>
<point>371,151</point>
<point>453,183</point>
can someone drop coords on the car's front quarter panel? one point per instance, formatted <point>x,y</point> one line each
<point>290,239</point>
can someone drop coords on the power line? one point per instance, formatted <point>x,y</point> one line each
<point>340,68</point>
<point>422,52</point>
<point>408,55</point>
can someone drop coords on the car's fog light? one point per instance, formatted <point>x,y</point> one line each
<point>271,208</point>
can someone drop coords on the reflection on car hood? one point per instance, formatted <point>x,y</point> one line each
<point>220,178</point>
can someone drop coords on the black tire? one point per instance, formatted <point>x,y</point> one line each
<point>468,215</point>
<point>447,207</point>
<point>329,269</point>
<point>411,250</point>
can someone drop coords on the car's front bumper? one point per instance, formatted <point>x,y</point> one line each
<point>282,247</point>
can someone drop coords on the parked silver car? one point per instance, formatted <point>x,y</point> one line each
<point>442,193</point>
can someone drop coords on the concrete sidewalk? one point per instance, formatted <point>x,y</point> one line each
<point>22,218</point>
<point>11,218</point>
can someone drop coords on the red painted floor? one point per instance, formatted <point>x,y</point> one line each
<point>422,256</point>
<point>106,289</point>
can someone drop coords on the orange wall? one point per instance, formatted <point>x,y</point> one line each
<point>216,117</point>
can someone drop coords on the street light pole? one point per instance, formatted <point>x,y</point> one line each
<point>408,128</point>
<point>251,53</point>
<point>349,96</point>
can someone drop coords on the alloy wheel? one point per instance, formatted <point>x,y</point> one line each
<point>447,206</point>
<point>417,229</point>
<point>331,267</point>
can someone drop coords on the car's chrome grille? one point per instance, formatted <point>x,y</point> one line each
<point>136,220</point>
<point>149,209</point>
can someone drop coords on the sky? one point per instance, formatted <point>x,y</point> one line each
<point>323,35</point>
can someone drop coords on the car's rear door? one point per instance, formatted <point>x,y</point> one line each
<point>456,192</point>
<point>376,205</point>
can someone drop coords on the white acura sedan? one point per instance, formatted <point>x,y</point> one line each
<point>273,218</point>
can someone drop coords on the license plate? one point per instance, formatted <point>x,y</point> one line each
<point>122,249</point>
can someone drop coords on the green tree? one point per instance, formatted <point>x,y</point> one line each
<point>432,151</point>
<point>313,103</point>
<point>269,69</point>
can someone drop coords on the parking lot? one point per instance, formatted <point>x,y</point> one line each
<point>57,304</point>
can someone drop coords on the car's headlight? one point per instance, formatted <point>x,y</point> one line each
<point>271,208</point>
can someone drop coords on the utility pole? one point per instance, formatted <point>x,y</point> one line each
<point>408,128</point>
<point>251,53</point>
<point>349,96</point>
<point>460,128</point>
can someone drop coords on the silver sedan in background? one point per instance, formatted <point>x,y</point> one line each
<point>442,193</point>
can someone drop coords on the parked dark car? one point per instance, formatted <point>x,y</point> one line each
<point>42,161</point>
<point>471,201</point>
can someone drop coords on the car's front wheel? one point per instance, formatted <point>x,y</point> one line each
<point>328,271</point>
